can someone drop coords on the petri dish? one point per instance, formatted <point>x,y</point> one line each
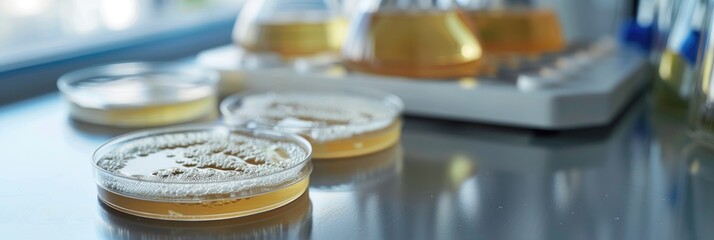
<point>140,94</point>
<point>196,173</point>
<point>338,124</point>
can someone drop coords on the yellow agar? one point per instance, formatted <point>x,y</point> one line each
<point>147,116</point>
<point>357,145</point>
<point>204,210</point>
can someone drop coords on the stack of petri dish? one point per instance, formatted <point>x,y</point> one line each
<point>285,32</point>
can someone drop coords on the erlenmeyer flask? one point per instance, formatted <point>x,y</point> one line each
<point>414,38</point>
<point>290,28</point>
<point>515,26</point>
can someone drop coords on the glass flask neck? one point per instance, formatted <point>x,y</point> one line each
<point>277,10</point>
<point>407,5</point>
<point>496,4</point>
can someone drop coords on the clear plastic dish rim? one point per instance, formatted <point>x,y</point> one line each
<point>270,134</point>
<point>204,76</point>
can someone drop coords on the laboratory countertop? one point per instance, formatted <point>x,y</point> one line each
<point>638,178</point>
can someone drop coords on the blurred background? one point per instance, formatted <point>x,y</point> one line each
<point>525,119</point>
<point>61,35</point>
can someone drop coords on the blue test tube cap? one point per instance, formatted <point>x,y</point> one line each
<point>690,47</point>
<point>635,34</point>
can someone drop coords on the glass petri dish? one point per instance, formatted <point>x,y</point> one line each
<point>196,173</point>
<point>338,124</point>
<point>140,94</point>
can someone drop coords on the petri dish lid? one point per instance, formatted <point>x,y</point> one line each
<point>201,162</point>
<point>318,115</point>
<point>137,84</point>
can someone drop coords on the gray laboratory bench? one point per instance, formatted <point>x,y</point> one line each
<point>638,178</point>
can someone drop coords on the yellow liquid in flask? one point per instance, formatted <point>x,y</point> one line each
<point>292,39</point>
<point>518,31</point>
<point>422,44</point>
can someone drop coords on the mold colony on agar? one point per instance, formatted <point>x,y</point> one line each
<point>140,94</point>
<point>202,173</point>
<point>337,124</point>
